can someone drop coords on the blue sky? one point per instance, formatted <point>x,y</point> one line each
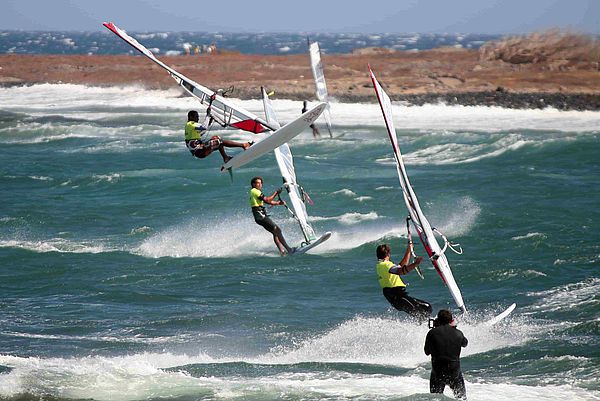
<point>377,16</point>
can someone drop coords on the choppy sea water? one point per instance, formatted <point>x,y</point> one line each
<point>173,43</point>
<point>132,271</point>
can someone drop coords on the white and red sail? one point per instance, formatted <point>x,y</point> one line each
<point>419,221</point>
<point>226,112</point>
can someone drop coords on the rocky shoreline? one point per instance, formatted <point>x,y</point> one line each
<point>495,98</point>
<point>556,71</point>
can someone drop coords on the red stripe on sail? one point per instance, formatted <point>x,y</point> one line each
<point>250,126</point>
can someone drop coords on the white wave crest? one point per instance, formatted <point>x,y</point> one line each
<point>348,218</point>
<point>55,245</point>
<point>569,296</point>
<point>530,235</point>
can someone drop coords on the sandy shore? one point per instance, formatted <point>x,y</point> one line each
<point>451,75</point>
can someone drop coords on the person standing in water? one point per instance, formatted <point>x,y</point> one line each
<point>444,342</point>
<point>314,128</point>
<point>257,199</point>
<point>394,289</point>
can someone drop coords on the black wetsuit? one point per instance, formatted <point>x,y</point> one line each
<point>262,218</point>
<point>399,298</point>
<point>444,344</point>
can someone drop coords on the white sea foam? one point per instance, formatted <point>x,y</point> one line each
<point>535,235</point>
<point>344,191</point>
<point>363,198</point>
<point>568,296</point>
<point>353,237</point>
<point>188,239</point>
<point>48,98</point>
<point>142,376</point>
<point>41,178</point>
<point>348,218</point>
<point>56,245</point>
<point>454,217</point>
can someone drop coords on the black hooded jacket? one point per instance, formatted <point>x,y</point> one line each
<point>444,344</point>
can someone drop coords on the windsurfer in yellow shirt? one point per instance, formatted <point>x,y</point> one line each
<point>257,200</point>
<point>201,144</point>
<point>394,289</point>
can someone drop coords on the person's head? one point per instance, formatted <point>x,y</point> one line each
<point>444,316</point>
<point>193,115</point>
<point>256,182</point>
<point>383,251</point>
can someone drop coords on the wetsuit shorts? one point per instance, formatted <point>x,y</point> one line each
<point>445,373</point>
<point>262,219</point>
<point>399,299</point>
<point>202,149</point>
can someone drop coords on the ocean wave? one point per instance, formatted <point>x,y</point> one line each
<point>571,296</point>
<point>348,218</point>
<point>454,217</point>
<point>188,239</point>
<point>56,245</point>
<point>65,97</point>
<point>344,191</point>
<point>356,341</point>
<point>535,235</point>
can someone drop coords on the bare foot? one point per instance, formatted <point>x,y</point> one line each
<point>227,158</point>
<point>247,145</point>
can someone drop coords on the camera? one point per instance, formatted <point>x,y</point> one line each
<point>433,323</point>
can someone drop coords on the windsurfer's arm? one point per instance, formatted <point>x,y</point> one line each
<point>405,269</point>
<point>206,123</point>
<point>271,199</point>
<point>407,254</point>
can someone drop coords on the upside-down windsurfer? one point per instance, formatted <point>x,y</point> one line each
<point>394,289</point>
<point>200,143</point>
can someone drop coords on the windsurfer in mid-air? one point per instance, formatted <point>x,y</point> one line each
<point>314,128</point>
<point>200,143</point>
<point>257,199</point>
<point>394,289</point>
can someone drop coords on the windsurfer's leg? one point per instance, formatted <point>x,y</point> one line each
<point>202,152</point>
<point>280,246</point>
<point>224,155</point>
<point>280,238</point>
<point>234,144</point>
<point>315,131</point>
<point>399,299</point>
<point>274,229</point>
<point>423,308</point>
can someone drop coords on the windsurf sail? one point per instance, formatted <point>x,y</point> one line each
<point>226,113</point>
<point>275,139</point>
<point>285,161</point>
<point>419,221</point>
<point>320,85</point>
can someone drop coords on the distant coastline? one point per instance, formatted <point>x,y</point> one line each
<point>544,71</point>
